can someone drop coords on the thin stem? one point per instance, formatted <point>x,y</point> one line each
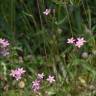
<point>69,19</point>
<point>39,14</point>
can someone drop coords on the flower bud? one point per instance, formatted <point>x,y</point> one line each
<point>84,55</point>
<point>59,30</point>
<point>21,84</point>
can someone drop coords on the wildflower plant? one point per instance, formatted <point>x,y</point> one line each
<point>78,42</point>
<point>47,11</point>
<point>4,45</point>
<point>17,73</point>
<point>36,36</point>
<point>41,81</point>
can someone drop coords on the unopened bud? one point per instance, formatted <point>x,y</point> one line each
<point>21,84</point>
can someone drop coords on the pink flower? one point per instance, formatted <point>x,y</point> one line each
<point>36,86</point>
<point>13,72</point>
<point>80,42</point>
<point>50,79</point>
<point>4,47</point>
<point>47,11</point>
<point>17,73</point>
<point>4,43</point>
<point>40,76</point>
<point>21,70</point>
<point>71,40</point>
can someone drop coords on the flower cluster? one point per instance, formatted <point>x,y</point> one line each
<point>36,86</point>
<point>79,42</point>
<point>17,73</point>
<point>37,83</point>
<point>4,47</point>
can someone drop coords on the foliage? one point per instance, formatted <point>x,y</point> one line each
<point>39,44</point>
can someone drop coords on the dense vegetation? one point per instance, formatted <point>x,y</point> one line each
<point>36,40</point>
